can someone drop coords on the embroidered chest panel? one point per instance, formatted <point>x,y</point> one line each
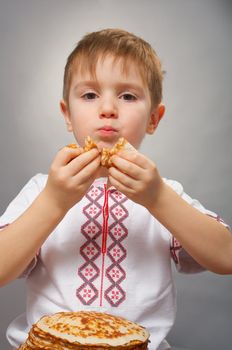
<point>103,253</point>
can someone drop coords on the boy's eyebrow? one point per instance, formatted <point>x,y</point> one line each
<point>120,85</point>
<point>90,83</point>
<point>133,86</point>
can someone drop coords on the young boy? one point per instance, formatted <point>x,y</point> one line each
<point>87,237</point>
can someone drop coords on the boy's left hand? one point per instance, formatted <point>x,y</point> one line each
<point>137,177</point>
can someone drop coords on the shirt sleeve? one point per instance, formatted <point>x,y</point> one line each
<point>19,204</point>
<point>183,261</point>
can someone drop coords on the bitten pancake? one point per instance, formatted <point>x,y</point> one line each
<point>107,153</point>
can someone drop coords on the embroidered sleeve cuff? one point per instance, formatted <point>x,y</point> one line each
<point>30,267</point>
<point>184,262</point>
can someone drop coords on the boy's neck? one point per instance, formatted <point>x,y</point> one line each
<point>102,172</point>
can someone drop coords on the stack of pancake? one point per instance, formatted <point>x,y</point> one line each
<point>86,330</point>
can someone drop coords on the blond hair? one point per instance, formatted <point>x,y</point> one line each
<point>121,45</point>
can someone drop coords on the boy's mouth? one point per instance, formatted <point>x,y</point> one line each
<point>107,130</point>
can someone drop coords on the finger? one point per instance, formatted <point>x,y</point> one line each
<point>122,178</point>
<point>65,155</point>
<point>135,157</point>
<point>120,186</point>
<point>88,173</point>
<point>82,161</point>
<point>127,167</point>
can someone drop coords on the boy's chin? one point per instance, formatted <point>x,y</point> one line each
<point>105,144</point>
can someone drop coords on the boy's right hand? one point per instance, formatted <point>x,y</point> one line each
<point>71,174</point>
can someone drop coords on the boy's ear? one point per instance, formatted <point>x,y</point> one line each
<point>65,111</point>
<point>156,115</point>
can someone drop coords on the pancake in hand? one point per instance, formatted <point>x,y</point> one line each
<point>107,153</point>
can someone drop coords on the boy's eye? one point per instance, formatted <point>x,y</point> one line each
<point>89,96</point>
<point>128,97</point>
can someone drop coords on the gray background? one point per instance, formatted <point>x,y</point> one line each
<point>192,144</point>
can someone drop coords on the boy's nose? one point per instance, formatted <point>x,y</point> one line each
<point>108,109</point>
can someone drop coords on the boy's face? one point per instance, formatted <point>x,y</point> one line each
<point>112,105</point>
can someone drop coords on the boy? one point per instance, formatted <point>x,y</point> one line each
<point>87,237</point>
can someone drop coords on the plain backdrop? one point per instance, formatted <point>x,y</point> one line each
<point>192,144</point>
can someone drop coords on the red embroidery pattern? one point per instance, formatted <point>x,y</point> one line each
<point>116,252</point>
<point>218,218</point>
<point>176,246</point>
<point>105,232</point>
<point>174,249</point>
<point>90,250</point>
<point>3,226</point>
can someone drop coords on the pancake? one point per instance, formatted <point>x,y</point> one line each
<point>106,153</point>
<point>86,330</point>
